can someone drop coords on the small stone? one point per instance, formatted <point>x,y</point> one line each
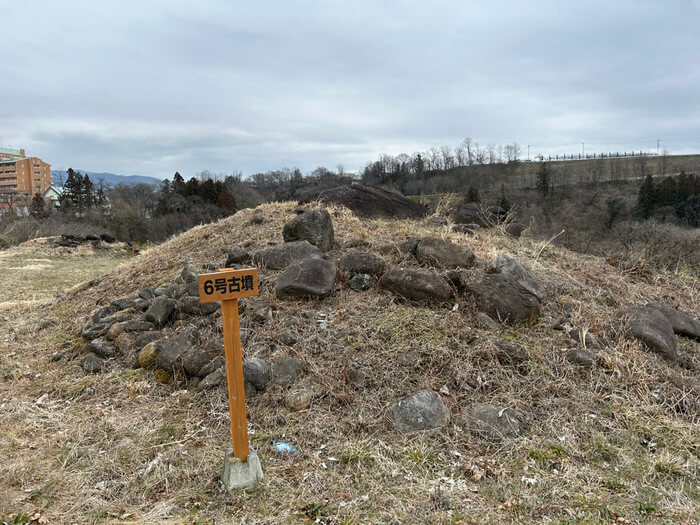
<point>163,377</point>
<point>147,356</point>
<point>189,273</point>
<point>494,423</point>
<point>144,338</point>
<point>356,375</point>
<point>216,363</point>
<point>172,350</point>
<point>160,310</point>
<point>485,322</point>
<point>115,331</point>
<point>287,370</point>
<point>288,339</point>
<point>216,378</point>
<point>422,411</point>
<point>360,282</point>
<point>515,229</point>
<point>102,348</point>
<point>362,262</point>
<point>417,285</point>
<point>198,357</point>
<point>257,372</point>
<point>237,255</point>
<point>163,291</point>
<point>298,399</point>
<point>588,340</point>
<point>147,293</point>
<point>580,357</point>
<point>57,356</point>
<point>123,343</point>
<point>92,364</point>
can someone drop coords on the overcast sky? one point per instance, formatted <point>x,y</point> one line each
<point>151,87</point>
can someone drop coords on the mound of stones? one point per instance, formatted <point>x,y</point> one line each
<point>73,241</point>
<point>656,325</point>
<point>368,201</point>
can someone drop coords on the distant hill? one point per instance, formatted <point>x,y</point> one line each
<point>111,179</point>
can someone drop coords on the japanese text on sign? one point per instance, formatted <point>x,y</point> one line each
<point>228,284</point>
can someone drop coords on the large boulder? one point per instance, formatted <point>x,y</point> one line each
<point>362,262</point>
<point>280,256</point>
<point>446,254</point>
<point>160,310</point>
<point>471,213</point>
<point>651,327</point>
<point>508,266</point>
<point>309,278</point>
<point>682,323</point>
<point>366,201</point>
<point>314,226</point>
<point>417,285</point>
<point>494,423</point>
<point>503,298</point>
<point>422,411</point>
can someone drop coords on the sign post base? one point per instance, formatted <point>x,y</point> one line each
<point>237,475</point>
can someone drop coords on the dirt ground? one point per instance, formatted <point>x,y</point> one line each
<point>617,444</point>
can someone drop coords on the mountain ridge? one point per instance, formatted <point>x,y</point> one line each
<point>111,179</point>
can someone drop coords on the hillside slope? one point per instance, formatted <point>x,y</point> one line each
<point>617,442</point>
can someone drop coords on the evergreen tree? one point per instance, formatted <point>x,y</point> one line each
<point>38,207</point>
<point>178,185</point>
<point>69,195</point>
<point>543,179</point>
<point>646,198</point>
<point>88,195</point>
<point>473,195</point>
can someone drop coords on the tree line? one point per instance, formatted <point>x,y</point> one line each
<point>671,195</point>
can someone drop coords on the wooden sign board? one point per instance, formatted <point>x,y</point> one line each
<point>228,284</point>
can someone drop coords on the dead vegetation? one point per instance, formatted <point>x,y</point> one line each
<point>617,443</point>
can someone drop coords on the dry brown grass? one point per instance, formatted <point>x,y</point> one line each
<point>619,441</point>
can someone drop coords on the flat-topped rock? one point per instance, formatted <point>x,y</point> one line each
<point>280,256</point>
<point>506,265</point>
<point>504,299</point>
<point>309,278</point>
<point>417,285</point>
<point>442,253</point>
<point>651,327</point>
<point>682,323</point>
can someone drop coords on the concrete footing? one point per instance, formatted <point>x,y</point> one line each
<point>237,475</point>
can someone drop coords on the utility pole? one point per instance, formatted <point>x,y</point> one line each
<point>583,150</point>
<point>528,152</point>
<point>657,146</point>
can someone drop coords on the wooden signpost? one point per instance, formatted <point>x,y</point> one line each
<point>241,466</point>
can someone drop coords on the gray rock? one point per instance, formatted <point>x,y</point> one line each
<point>494,423</point>
<point>463,228</point>
<point>190,305</point>
<point>682,323</point>
<point>160,310</point>
<point>446,254</point>
<point>580,357</point>
<point>436,221</point>
<point>280,256</point>
<point>138,325</point>
<point>459,278</point>
<point>287,370</point>
<point>484,321</point>
<point>194,360</point>
<point>91,331</point>
<point>471,213</point>
<point>141,304</point>
<point>505,299</point>
<point>515,229</point>
<point>255,309</point>
<point>506,265</point>
<point>92,364</point>
<point>360,281</point>
<point>189,273</point>
<point>362,262</point>
<point>288,339</point>
<point>147,293</point>
<point>257,372</point>
<point>237,255</point>
<point>587,339</point>
<point>124,303</point>
<point>315,226</point>
<point>409,246</point>
<point>356,374</point>
<point>193,289</point>
<point>101,314</point>
<point>309,278</point>
<point>144,338</point>
<point>172,350</point>
<point>417,285</point>
<point>213,380</point>
<point>215,364</point>
<point>651,327</point>
<point>422,411</point>
<point>163,291</point>
<point>102,347</point>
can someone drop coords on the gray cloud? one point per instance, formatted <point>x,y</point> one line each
<point>154,87</point>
